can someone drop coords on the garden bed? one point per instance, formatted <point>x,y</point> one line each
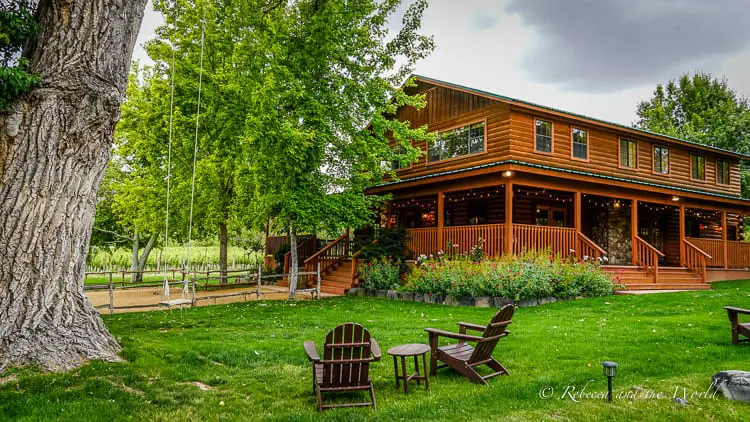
<point>439,299</point>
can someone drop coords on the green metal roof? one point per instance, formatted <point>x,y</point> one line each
<point>562,170</point>
<point>515,100</point>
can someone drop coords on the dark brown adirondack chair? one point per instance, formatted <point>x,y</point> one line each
<point>738,328</point>
<point>464,357</point>
<point>345,366</point>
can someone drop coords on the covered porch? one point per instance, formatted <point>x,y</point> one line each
<point>681,239</point>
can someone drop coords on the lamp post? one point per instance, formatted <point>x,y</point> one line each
<point>610,369</point>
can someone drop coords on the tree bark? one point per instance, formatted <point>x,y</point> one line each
<point>293,265</point>
<point>134,253</point>
<point>223,245</point>
<point>57,141</point>
<point>139,260</point>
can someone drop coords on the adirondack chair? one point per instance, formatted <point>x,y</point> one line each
<point>345,366</point>
<point>464,357</point>
<point>738,328</point>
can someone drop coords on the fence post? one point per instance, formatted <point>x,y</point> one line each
<point>260,274</point>
<point>122,279</point>
<point>192,303</point>
<point>317,288</point>
<point>111,295</point>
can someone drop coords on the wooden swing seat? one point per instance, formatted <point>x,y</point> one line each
<point>175,302</point>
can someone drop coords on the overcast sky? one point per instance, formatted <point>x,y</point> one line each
<point>595,57</point>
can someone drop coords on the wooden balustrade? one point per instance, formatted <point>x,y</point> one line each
<point>464,238</point>
<point>559,240</point>
<point>304,250</point>
<point>330,256</point>
<point>647,257</point>
<point>713,247</point>
<point>738,254</point>
<point>422,241</point>
<point>588,249</point>
<point>695,259</point>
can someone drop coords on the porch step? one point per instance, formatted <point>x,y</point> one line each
<point>668,286</point>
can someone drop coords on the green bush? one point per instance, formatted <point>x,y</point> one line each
<point>531,276</point>
<point>381,274</point>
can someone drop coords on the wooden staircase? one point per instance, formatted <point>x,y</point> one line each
<point>669,278</point>
<point>337,280</point>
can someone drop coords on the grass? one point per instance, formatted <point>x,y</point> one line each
<point>251,356</point>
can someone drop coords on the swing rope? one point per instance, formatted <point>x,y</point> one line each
<point>169,157</point>
<point>195,153</point>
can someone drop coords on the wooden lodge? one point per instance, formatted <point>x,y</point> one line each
<point>661,212</point>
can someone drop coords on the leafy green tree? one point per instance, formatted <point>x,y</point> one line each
<point>700,108</point>
<point>17,24</point>
<point>318,123</point>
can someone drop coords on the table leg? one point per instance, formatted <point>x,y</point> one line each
<point>416,367</point>
<point>426,375</point>
<point>395,369</point>
<point>403,368</point>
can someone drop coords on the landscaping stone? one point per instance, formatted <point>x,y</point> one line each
<point>406,295</point>
<point>499,302</point>
<point>467,301</point>
<point>546,300</point>
<point>526,303</point>
<point>483,302</point>
<point>451,300</point>
<point>381,293</point>
<point>391,294</point>
<point>418,297</point>
<point>356,291</point>
<point>734,385</point>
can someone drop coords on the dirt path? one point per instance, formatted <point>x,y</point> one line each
<point>150,297</point>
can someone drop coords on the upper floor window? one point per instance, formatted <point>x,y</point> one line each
<point>543,135</point>
<point>722,172</point>
<point>697,167</point>
<point>628,153</point>
<point>453,143</point>
<point>394,164</point>
<point>661,160</point>
<point>580,143</point>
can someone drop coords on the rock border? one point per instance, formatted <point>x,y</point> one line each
<point>477,302</point>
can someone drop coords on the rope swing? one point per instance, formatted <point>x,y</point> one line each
<point>186,282</point>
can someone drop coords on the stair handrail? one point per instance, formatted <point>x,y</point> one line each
<point>650,261</point>
<point>300,247</point>
<point>355,261</point>
<point>695,259</point>
<point>584,240</point>
<point>327,247</point>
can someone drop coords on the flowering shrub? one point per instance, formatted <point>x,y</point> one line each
<point>381,274</point>
<point>531,276</point>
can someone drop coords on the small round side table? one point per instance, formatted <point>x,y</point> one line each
<point>404,351</point>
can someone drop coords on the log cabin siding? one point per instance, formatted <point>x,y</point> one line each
<point>447,109</point>
<point>604,156</point>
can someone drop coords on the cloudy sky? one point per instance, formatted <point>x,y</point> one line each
<point>595,57</point>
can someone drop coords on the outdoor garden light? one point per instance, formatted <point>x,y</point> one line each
<point>610,369</point>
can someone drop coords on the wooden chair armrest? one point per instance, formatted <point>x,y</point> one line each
<point>737,310</point>
<point>375,349</point>
<point>312,353</point>
<point>471,326</point>
<point>440,333</point>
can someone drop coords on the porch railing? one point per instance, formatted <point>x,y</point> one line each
<point>588,248</point>
<point>738,253</point>
<point>647,257</point>
<point>331,255</point>
<point>464,238</point>
<point>422,241</point>
<point>695,259</point>
<point>559,240</point>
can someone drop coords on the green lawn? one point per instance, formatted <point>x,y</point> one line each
<point>251,354</point>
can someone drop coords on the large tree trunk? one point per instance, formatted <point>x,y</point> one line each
<point>134,254</point>
<point>56,142</point>
<point>223,244</point>
<point>139,260</point>
<point>293,265</point>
